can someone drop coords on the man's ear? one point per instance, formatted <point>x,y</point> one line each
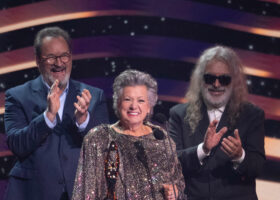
<point>38,63</point>
<point>37,60</point>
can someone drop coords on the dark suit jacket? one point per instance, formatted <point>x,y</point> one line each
<point>216,178</point>
<point>47,158</point>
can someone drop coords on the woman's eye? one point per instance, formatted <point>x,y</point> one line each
<point>141,100</point>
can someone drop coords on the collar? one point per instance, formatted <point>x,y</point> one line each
<point>220,109</point>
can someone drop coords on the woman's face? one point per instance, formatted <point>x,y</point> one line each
<point>134,105</point>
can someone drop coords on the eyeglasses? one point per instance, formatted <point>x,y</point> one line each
<point>52,59</point>
<point>223,79</point>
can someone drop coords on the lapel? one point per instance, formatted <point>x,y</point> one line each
<point>220,155</point>
<point>40,92</point>
<point>39,87</point>
<point>203,125</point>
<point>224,121</point>
<point>39,95</point>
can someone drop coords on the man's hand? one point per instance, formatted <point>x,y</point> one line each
<point>53,101</point>
<point>169,192</point>
<point>232,146</point>
<point>81,106</point>
<point>211,138</point>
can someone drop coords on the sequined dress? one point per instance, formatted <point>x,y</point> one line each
<point>144,165</point>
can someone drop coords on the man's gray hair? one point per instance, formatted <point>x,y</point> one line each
<point>50,32</point>
<point>194,94</point>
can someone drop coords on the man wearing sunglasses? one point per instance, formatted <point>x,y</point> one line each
<point>46,120</point>
<point>218,133</point>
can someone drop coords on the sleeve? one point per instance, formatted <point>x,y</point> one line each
<point>176,172</point>
<point>23,136</point>
<point>48,122</point>
<point>83,125</point>
<point>90,182</point>
<point>79,186</point>
<point>253,146</point>
<point>201,154</point>
<point>188,156</point>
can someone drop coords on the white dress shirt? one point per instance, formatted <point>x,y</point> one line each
<point>62,99</point>
<point>216,114</point>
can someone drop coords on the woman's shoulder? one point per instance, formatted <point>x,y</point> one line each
<point>155,127</point>
<point>99,131</point>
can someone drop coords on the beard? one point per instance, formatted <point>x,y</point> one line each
<point>216,101</point>
<point>62,83</point>
<point>50,78</point>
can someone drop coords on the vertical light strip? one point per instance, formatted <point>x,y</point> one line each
<point>267,190</point>
<point>2,110</point>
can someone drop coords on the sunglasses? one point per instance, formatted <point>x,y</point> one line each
<point>223,79</point>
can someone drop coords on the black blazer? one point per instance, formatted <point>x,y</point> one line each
<point>46,159</point>
<point>216,178</point>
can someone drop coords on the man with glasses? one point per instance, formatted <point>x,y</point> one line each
<point>46,120</point>
<point>218,133</point>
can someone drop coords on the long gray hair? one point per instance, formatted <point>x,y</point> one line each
<point>239,87</point>
<point>133,78</point>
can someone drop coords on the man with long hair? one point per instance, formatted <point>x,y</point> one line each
<point>218,133</point>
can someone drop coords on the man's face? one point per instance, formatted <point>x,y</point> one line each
<point>55,61</point>
<point>217,86</point>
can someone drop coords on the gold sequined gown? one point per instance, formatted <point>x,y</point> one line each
<point>141,173</point>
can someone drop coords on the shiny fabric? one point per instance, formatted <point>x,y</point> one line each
<point>142,170</point>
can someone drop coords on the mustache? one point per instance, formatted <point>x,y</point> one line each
<point>56,68</point>
<point>211,89</point>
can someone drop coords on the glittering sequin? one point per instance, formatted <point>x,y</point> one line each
<point>145,164</point>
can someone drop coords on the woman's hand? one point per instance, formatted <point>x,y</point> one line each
<point>169,192</point>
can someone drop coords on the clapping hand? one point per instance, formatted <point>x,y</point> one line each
<point>232,146</point>
<point>53,101</point>
<point>212,138</point>
<point>82,104</point>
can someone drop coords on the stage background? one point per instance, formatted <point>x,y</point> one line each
<point>161,37</point>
